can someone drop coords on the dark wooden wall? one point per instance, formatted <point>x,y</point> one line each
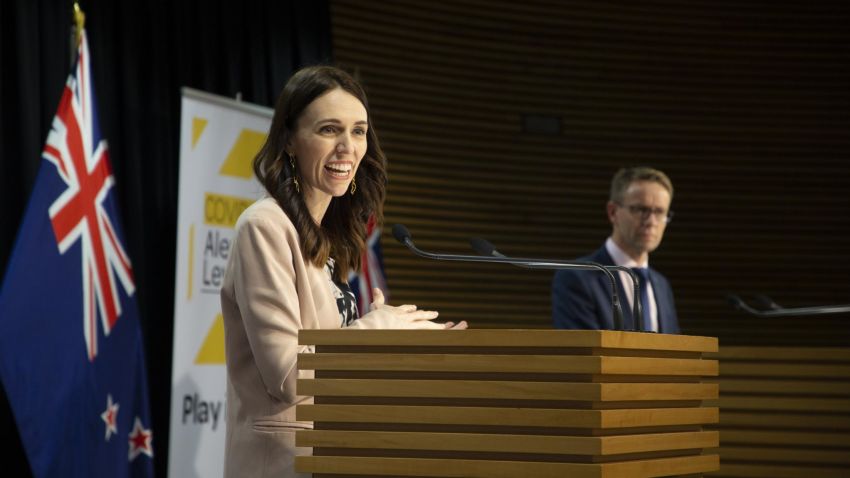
<point>506,120</point>
<point>784,412</point>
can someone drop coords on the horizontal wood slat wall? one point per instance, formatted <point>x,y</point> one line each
<point>745,105</point>
<point>784,411</point>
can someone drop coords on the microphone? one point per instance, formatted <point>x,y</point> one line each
<point>403,236</point>
<point>777,311</point>
<point>766,302</point>
<point>486,248</point>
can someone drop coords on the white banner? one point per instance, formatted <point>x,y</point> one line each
<point>219,138</point>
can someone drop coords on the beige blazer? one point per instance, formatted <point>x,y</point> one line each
<point>269,293</point>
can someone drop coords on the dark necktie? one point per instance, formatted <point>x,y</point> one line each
<point>643,273</point>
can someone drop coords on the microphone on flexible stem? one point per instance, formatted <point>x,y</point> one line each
<point>402,235</point>
<point>739,304</point>
<point>766,302</point>
<point>486,248</point>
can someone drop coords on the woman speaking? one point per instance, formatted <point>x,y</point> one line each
<point>324,174</point>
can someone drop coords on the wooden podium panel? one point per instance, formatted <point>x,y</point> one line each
<point>786,412</point>
<point>492,403</point>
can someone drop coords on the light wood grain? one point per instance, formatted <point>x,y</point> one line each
<point>499,416</point>
<point>507,364</point>
<point>515,338</point>
<point>503,469</point>
<point>507,443</point>
<point>507,390</point>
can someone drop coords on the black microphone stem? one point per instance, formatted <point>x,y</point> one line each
<point>402,235</point>
<point>486,248</point>
<point>737,303</point>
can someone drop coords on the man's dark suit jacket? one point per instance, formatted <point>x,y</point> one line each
<point>582,299</point>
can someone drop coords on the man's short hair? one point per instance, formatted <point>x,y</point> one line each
<point>626,176</point>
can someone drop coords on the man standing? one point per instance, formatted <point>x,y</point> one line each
<point>639,210</point>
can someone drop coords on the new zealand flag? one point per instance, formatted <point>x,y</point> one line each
<point>372,269</point>
<point>71,355</point>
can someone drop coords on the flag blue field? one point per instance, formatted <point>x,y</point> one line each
<point>71,352</point>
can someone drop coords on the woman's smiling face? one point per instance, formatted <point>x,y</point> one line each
<point>328,144</point>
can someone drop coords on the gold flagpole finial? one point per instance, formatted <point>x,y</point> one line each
<point>79,21</point>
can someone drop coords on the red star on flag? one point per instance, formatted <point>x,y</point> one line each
<point>140,440</point>
<point>110,417</point>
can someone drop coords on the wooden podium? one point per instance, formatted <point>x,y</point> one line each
<point>507,403</point>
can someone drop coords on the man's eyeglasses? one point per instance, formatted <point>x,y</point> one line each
<point>643,213</point>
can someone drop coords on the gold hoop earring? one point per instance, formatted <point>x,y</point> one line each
<point>353,186</point>
<point>292,161</point>
<point>297,186</point>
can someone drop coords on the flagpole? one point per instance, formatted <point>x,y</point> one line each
<point>79,22</point>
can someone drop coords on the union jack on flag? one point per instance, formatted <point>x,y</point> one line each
<point>372,269</point>
<point>71,352</point>
<point>78,214</point>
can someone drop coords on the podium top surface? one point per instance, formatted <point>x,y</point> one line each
<point>609,339</point>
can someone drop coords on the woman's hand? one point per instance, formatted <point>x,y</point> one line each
<point>408,311</point>
<point>408,316</point>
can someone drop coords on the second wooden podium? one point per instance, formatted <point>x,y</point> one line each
<point>507,403</point>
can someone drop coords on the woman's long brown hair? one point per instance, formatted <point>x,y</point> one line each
<point>342,234</point>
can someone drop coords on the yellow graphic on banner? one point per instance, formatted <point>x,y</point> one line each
<point>221,210</point>
<point>198,125</point>
<point>212,350</point>
<point>241,157</point>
